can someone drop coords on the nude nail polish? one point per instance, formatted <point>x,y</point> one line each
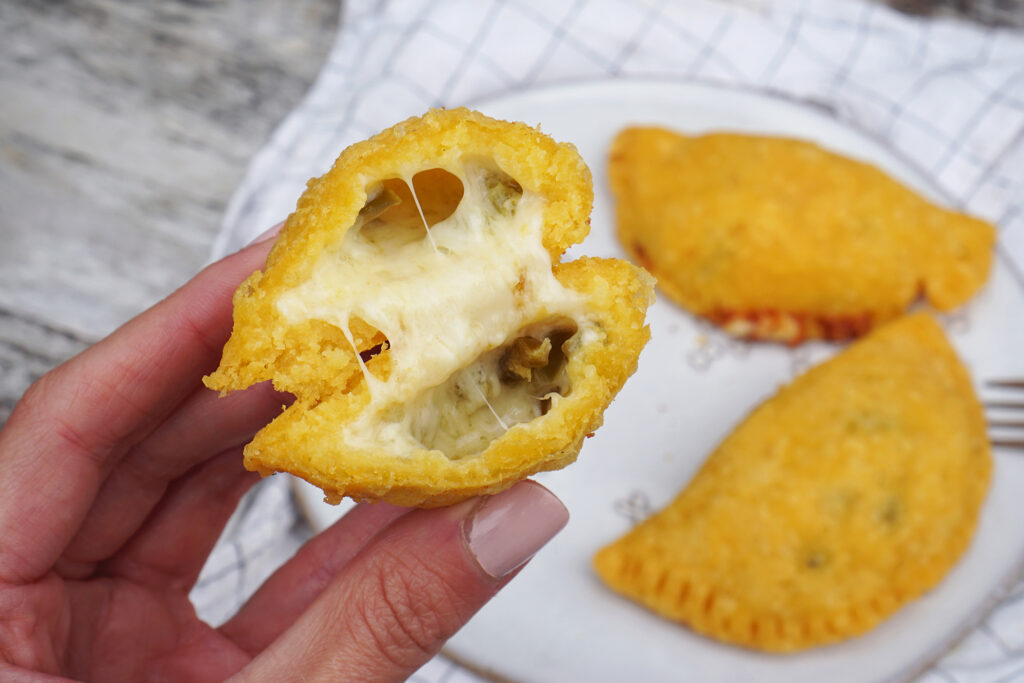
<point>507,529</point>
<point>269,234</point>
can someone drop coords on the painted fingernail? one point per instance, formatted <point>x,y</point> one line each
<point>509,528</point>
<point>269,234</point>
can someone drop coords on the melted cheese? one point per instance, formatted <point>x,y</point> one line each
<point>443,299</point>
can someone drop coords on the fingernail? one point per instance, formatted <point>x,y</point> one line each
<point>269,234</point>
<point>509,528</point>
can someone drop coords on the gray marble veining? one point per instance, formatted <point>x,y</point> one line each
<point>124,128</point>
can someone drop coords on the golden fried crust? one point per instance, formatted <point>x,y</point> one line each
<point>294,356</point>
<point>312,357</point>
<point>850,492</point>
<point>780,239</point>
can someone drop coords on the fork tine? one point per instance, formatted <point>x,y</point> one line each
<point>1007,383</point>
<point>1010,405</point>
<point>1010,439</point>
<point>1006,424</point>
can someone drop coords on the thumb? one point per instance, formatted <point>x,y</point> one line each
<point>411,588</point>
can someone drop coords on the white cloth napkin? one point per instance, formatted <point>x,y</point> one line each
<point>947,95</point>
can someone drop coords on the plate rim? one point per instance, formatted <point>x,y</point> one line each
<point>825,111</point>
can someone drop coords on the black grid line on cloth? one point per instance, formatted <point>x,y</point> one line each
<point>908,117</point>
<point>653,15</point>
<point>1015,596</point>
<point>402,39</point>
<point>1003,183</point>
<point>924,43</point>
<point>365,28</point>
<point>1004,622</point>
<point>988,45</point>
<point>559,35</point>
<point>1011,212</point>
<point>247,503</point>
<point>222,573</point>
<point>945,675</point>
<point>450,669</point>
<point>1017,141</point>
<point>1000,644</point>
<point>427,44</point>
<point>447,675</point>
<point>919,84</point>
<point>972,79</point>
<point>714,53</point>
<point>378,7</point>
<point>994,98</point>
<point>789,39</point>
<point>361,130</point>
<point>969,77</point>
<point>285,150</point>
<point>992,38</point>
<point>243,570</point>
<point>1014,676</point>
<point>898,113</point>
<point>711,46</point>
<point>808,50</point>
<point>815,20</point>
<point>414,87</point>
<point>1011,265</point>
<point>249,542</point>
<point>405,34</point>
<point>965,69</point>
<point>862,30</point>
<point>1009,216</point>
<point>973,669</point>
<point>247,557</point>
<point>481,59</point>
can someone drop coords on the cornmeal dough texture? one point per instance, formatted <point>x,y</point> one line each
<point>416,306</point>
<point>849,493</point>
<point>779,239</point>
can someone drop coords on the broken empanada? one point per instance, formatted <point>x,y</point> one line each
<point>416,306</point>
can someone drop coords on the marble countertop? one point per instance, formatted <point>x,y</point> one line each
<point>124,129</point>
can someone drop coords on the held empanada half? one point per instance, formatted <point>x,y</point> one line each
<point>416,306</point>
<point>780,239</point>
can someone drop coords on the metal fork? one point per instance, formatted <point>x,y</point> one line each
<point>1007,432</point>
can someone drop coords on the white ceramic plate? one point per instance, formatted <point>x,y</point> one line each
<point>556,622</point>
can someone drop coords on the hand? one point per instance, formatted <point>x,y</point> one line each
<point>118,471</point>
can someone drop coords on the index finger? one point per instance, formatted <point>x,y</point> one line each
<point>72,425</point>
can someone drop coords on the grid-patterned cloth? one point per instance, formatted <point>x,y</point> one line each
<point>948,96</point>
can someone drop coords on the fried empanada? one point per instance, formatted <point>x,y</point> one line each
<point>779,239</point>
<point>416,306</point>
<point>850,492</point>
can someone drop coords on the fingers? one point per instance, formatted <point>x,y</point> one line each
<point>206,423</point>
<point>72,425</point>
<point>13,674</point>
<point>411,588</point>
<point>294,587</point>
<point>172,546</point>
